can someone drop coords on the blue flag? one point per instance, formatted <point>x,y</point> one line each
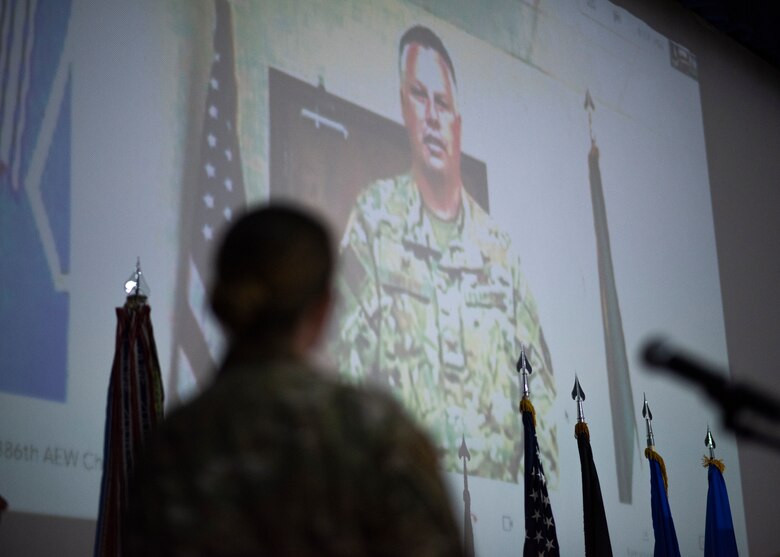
<point>663,525</point>
<point>719,540</point>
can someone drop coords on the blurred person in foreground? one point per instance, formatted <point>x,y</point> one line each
<point>276,457</point>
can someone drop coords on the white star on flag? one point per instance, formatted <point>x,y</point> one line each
<point>208,199</point>
<point>209,170</point>
<point>212,140</point>
<point>538,511</point>
<point>214,83</point>
<point>208,233</point>
<point>213,112</point>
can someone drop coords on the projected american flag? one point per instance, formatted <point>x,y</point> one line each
<point>220,192</point>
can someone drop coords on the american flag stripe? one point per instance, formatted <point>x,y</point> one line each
<point>7,54</point>
<point>186,385</point>
<point>198,303</point>
<point>33,185</point>
<point>22,161</point>
<point>17,44</point>
<point>219,193</point>
<point>197,349</point>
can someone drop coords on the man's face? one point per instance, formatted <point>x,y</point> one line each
<point>430,112</point>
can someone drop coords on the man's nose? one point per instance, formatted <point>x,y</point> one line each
<point>431,113</point>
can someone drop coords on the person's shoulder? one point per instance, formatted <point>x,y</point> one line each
<point>376,412</point>
<point>376,194</point>
<point>242,387</point>
<point>372,404</point>
<point>386,200</point>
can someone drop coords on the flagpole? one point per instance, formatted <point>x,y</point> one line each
<point>618,377</point>
<point>597,541</point>
<point>468,529</point>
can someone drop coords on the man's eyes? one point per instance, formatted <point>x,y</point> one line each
<point>443,104</point>
<point>419,92</point>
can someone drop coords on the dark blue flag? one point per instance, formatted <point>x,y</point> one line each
<point>663,525</point>
<point>719,540</point>
<point>597,543</point>
<point>540,535</point>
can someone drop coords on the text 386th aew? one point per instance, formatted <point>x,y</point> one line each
<point>51,455</point>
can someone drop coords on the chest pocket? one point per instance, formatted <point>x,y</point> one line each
<point>406,296</point>
<point>489,316</point>
<point>423,305</point>
<point>403,270</point>
<point>489,288</point>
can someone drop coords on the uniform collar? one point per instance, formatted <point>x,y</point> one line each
<point>462,251</point>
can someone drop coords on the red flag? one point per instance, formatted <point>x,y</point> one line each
<point>134,408</point>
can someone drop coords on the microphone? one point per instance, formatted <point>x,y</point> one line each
<point>730,395</point>
<point>659,353</point>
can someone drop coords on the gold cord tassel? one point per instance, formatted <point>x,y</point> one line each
<point>581,429</point>
<point>526,406</point>
<point>652,455</point>
<point>716,462</point>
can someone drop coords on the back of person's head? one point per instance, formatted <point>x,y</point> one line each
<point>274,265</point>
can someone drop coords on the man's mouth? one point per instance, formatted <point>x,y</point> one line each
<point>434,144</point>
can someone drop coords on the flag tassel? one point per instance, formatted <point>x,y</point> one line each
<point>707,461</point>
<point>527,407</point>
<point>650,454</point>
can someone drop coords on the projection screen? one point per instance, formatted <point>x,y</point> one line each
<point>582,150</point>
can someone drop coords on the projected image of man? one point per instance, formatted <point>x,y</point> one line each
<point>433,301</point>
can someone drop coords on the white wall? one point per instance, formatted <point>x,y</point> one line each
<point>741,106</point>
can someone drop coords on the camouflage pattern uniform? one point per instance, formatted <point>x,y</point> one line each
<point>442,327</point>
<point>276,459</point>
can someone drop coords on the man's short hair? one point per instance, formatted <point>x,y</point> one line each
<point>273,264</point>
<point>423,36</point>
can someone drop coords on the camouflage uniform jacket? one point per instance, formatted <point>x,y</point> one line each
<point>277,459</point>
<point>443,329</point>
